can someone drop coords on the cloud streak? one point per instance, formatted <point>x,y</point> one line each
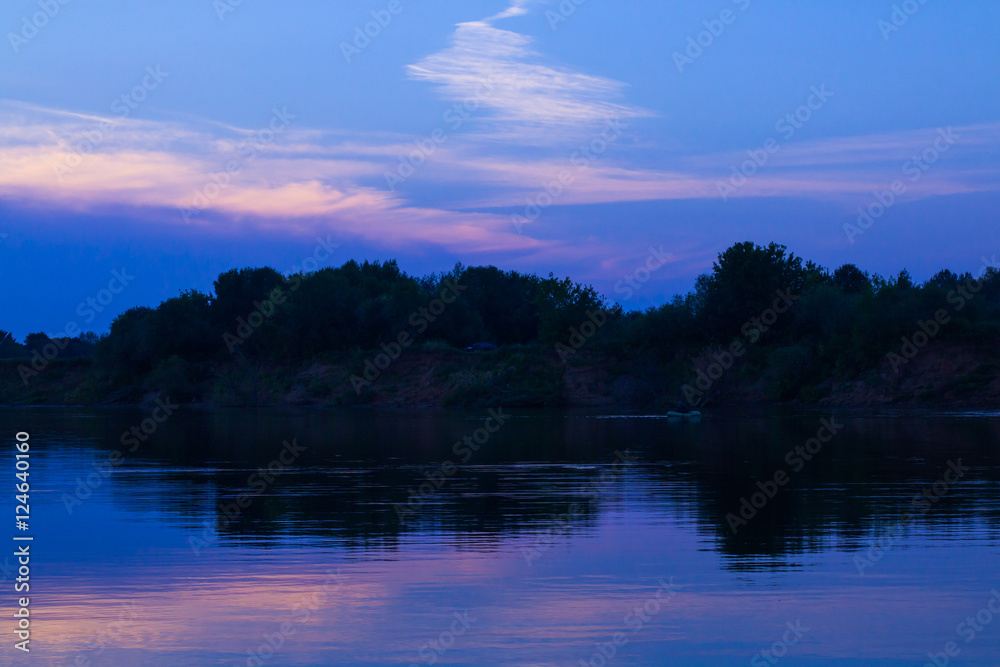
<point>301,184</point>
<point>533,102</point>
<point>535,119</point>
<point>311,180</point>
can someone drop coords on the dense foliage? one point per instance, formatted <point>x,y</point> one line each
<point>258,313</point>
<point>797,320</point>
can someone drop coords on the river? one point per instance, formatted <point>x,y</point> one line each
<point>506,537</point>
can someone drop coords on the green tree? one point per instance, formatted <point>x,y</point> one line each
<point>744,283</point>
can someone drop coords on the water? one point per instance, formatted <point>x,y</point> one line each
<point>539,550</point>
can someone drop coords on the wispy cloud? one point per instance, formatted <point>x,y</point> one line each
<point>532,102</point>
<point>316,180</point>
<point>517,8</point>
<point>536,117</point>
<point>300,184</point>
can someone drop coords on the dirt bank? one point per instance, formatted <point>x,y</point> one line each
<point>946,374</point>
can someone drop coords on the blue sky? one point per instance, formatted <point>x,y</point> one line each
<point>177,140</point>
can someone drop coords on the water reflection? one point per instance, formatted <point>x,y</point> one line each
<point>539,532</point>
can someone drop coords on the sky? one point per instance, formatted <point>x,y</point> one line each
<point>145,147</point>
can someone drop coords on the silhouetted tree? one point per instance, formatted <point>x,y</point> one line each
<point>841,323</point>
<point>851,280</point>
<point>9,347</point>
<point>744,282</point>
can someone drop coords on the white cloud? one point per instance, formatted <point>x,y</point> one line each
<point>530,101</point>
<point>300,183</point>
<point>518,8</point>
<point>313,181</point>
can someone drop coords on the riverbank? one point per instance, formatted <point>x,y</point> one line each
<point>943,374</point>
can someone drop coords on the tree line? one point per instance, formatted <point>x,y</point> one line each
<point>842,321</point>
